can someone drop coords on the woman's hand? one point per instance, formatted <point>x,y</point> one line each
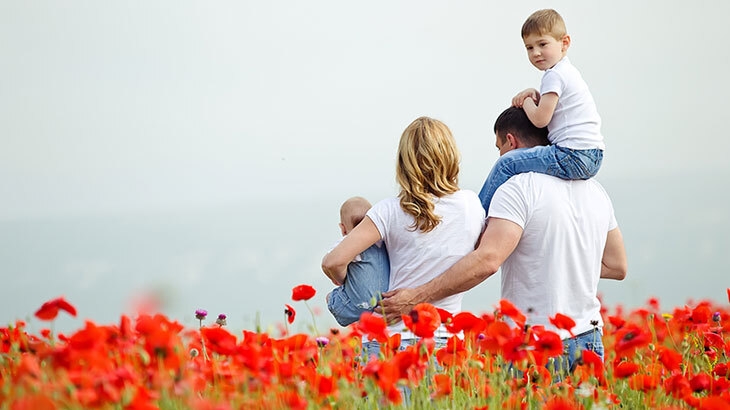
<point>396,303</point>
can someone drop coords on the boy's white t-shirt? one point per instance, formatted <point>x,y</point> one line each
<point>416,257</point>
<point>556,266</point>
<point>575,123</point>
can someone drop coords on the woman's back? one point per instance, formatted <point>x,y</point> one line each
<point>416,257</point>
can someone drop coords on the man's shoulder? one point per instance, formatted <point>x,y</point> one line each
<point>536,180</point>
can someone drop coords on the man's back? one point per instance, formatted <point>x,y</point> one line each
<point>556,265</point>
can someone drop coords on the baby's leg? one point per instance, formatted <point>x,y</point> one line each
<point>518,161</point>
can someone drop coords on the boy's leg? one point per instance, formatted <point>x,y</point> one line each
<point>576,163</point>
<point>518,161</point>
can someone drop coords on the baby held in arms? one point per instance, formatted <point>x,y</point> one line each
<point>367,274</point>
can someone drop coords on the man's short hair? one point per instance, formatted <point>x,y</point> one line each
<point>546,21</point>
<point>514,121</point>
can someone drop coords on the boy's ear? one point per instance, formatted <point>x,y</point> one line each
<point>566,43</point>
<point>343,229</point>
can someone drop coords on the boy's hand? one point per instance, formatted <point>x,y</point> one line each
<point>520,98</point>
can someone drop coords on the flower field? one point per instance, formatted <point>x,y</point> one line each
<point>654,358</point>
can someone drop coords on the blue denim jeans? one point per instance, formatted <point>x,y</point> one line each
<point>573,348</point>
<point>564,163</point>
<point>364,283</point>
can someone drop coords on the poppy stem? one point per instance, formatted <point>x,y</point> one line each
<point>314,321</point>
<point>202,342</point>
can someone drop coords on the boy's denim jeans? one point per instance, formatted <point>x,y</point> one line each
<point>573,347</point>
<point>364,283</point>
<point>564,163</point>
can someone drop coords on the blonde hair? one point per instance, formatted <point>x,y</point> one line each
<point>353,211</point>
<point>428,166</point>
<point>546,21</point>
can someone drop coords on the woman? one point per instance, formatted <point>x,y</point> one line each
<point>427,228</point>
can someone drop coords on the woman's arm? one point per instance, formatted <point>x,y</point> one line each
<point>334,264</point>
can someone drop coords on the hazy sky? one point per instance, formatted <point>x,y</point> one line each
<point>204,148</point>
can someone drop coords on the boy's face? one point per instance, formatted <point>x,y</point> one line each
<point>544,51</point>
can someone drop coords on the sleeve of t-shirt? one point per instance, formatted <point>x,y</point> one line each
<point>510,203</point>
<point>552,83</point>
<point>381,214</point>
<point>612,223</point>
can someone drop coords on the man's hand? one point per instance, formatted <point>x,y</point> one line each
<point>520,98</point>
<point>396,303</point>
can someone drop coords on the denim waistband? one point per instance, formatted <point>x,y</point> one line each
<point>587,332</point>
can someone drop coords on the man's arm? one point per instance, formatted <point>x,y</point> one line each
<point>540,114</point>
<point>497,243</point>
<point>613,264</point>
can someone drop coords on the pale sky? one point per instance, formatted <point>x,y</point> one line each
<point>195,141</point>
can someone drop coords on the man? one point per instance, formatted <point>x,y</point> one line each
<point>553,239</point>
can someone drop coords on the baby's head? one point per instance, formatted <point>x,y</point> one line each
<point>546,38</point>
<point>352,212</point>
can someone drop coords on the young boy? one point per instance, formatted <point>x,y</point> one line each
<point>564,104</point>
<point>367,275</point>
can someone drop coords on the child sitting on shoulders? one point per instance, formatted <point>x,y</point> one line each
<point>367,275</point>
<point>564,104</point>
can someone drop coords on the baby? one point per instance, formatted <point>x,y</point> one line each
<point>367,275</point>
<point>564,104</point>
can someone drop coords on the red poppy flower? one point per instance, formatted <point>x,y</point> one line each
<point>594,360</point>
<point>700,382</point>
<point>728,294</point>
<point>50,309</point>
<point>713,403</point>
<point>219,340</point>
<point>302,292</point>
<point>549,344</point>
<point>423,320</point>
<point>290,313</point>
<point>617,321</point>
<point>560,403</point>
<point>563,322</point>
<point>467,322</point>
<point>720,370</point>
<point>670,358</point>
<point>677,386</point>
<point>643,382</point>
<point>442,382</point>
<point>444,315</point>
<point>625,369</point>
<point>509,310</point>
<point>453,354</point>
<point>373,326</point>
<point>630,338</point>
<point>701,314</point>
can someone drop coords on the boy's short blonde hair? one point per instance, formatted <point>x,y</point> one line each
<point>546,21</point>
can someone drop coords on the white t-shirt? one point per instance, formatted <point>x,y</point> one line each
<point>575,123</point>
<point>556,266</point>
<point>416,257</point>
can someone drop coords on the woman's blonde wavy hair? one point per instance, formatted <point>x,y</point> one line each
<point>428,167</point>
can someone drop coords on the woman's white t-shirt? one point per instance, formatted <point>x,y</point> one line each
<point>416,257</point>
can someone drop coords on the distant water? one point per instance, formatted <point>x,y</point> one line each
<point>245,259</point>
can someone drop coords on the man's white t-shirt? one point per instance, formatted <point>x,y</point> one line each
<point>575,123</point>
<point>556,266</point>
<point>416,257</point>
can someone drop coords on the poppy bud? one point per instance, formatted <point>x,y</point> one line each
<point>194,352</point>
